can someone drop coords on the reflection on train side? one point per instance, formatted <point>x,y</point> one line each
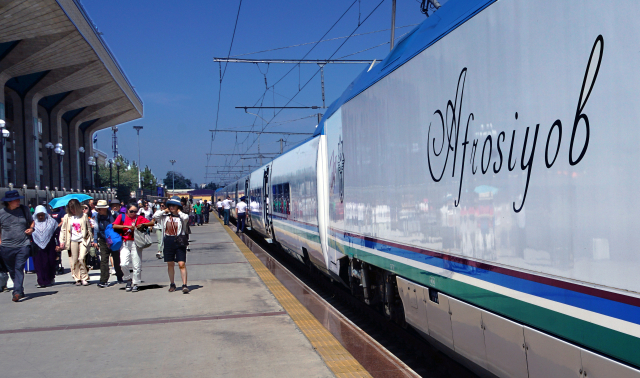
<point>486,229</point>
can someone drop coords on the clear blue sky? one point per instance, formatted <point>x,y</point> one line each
<point>167,49</point>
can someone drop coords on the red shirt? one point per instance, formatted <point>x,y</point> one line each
<point>128,221</point>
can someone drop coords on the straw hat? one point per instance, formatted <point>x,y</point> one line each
<point>102,204</point>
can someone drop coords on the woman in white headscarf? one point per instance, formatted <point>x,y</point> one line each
<point>45,244</point>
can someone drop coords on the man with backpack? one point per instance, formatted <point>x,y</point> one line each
<point>105,218</point>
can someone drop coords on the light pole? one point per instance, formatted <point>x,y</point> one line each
<point>118,170</point>
<point>110,174</point>
<point>138,128</point>
<point>60,152</point>
<point>50,148</point>
<point>81,150</point>
<point>5,135</point>
<point>92,163</point>
<point>173,186</point>
<point>96,178</point>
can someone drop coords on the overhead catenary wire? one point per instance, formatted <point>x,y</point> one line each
<point>315,74</point>
<point>321,41</point>
<point>222,74</point>
<point>262,97</point>
<point>317,71</point>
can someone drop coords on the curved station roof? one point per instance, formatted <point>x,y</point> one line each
<point>55,66</point>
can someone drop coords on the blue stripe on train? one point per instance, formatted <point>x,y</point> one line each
<point>603,306</point>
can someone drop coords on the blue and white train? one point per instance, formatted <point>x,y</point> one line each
<point>480,184</point>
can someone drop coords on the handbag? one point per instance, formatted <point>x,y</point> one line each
<point>141,238</point>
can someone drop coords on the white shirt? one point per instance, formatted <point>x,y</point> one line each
<point>227,204</point>
<point>76,228</point>
<point>148,213</point>
<point>241,207</point>
<point>170,225</point>
<point>254,206</point>
<point>219,204</point>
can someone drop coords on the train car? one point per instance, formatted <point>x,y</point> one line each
<point>478,184</point>
<point>293,206</point>
<point>488,166</point>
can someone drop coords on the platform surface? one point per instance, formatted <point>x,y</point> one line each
<point>230,325</point>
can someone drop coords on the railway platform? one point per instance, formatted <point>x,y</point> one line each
<point>237,321</point>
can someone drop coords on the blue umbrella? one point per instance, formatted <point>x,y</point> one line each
<point>63,201</point>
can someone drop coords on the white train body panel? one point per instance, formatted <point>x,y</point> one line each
<point>492,157</point>
<point>425,180</point>
<point>294,205</point>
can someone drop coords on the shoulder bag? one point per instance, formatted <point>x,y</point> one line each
<point>141,238</point>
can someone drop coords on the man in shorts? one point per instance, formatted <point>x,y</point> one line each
<point>173,223</point>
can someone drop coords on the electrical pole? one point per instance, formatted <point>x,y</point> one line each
<point>281,140</point>
<point>173,186</point>
<point>393,22</point>
<point>138,128</point>
<point>114,141</point>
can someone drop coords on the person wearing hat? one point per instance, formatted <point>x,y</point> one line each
<point>173,223</point>
<point>114,205</point>
<point>15,228</point>
<point>45,246</point>
<point>104,218</point>
<point>241,210</point>
<point>129,252</point>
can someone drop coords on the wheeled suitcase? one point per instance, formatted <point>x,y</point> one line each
<point>28,266</point>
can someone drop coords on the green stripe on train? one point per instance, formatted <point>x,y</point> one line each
<point>613,343</point>
<point>298,232</point>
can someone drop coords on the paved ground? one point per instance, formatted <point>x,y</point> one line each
<point>229,325</point>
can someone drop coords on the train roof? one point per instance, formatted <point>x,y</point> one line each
<point>451,15</point>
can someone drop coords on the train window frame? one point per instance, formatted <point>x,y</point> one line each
<point>281,198</point>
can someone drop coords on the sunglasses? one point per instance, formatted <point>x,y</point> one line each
<point>132,211</point>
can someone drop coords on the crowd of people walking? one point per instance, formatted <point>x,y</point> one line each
<point>95,235</point>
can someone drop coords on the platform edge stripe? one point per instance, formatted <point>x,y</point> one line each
<point>326,345</point>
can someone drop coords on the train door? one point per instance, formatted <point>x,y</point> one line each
<point>247,194</point>
<point>330,257</point>
<point>266,210</point>
<point>235,200</point>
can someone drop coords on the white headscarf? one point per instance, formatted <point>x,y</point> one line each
<point>43,231</point>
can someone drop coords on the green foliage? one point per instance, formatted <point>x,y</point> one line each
<point>181,182</point>
<point>128,173</point>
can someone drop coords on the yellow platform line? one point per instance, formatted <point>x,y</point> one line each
<point>337,358</point>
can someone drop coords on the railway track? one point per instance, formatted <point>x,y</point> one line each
<point>404,343</point>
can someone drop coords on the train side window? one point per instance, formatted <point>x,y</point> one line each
<point>281,198</point>
<point>433,295</point>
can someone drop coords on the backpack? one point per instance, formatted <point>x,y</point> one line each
<point>114,239</point>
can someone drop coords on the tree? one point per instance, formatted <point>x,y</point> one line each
<point>211,185</point>
<point>181,182</point>
<point>128,177</point>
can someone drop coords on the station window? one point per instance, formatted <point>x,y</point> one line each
<point>281,198</point>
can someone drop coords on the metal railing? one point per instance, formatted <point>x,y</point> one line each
<point>36,197</point>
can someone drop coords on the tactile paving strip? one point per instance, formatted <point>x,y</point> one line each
<point>337,358</point>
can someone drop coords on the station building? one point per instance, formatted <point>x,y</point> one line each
<point>59,84</point>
